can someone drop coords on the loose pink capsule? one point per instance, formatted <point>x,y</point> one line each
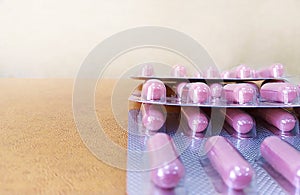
<point>216,90</point>
<point>283,158</point>
<point>235,171</point>
<point>198,93</point>
<point>279,92</point>
<point>153,117</point>
<point>274,71</point>
<point>239,93</point>
<point>196,120</point>
<point>154,89</point>
<point>280,118</point>
<point>178,71</point>
<point>147,70</point>
<point>241,121</point>
<point>163,155</point>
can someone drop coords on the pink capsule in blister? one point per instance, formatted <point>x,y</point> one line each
<point>195,119</point>
<point>147,70</point>
<point>216,90</point>
<point>279,92</point>
<point>235,171</point>
<point>226,74</point>
<point>240,93</point>
<point>241,122</point>
<point>178,71</point>
<point>198,74</point>
<point>153,117</point>
<point>243,71</point>
<point>283,120</point>
<point>154,90</point>
<point>168,169</point>
<point>212,72</point>
<point>274,71</point>
<point>198,93</point>
<point>283,158</point>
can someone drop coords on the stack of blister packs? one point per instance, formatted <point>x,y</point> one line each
<point>235,132</point>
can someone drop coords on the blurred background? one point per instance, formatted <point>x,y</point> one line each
<point>51,38</point>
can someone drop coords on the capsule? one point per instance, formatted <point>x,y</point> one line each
<point>147,70</point>
<point>283,158</point>
<point>168,169</point>
<point>279,118</point>
<point>198,93</point>
<point>178,71</point>
<point>216,90</point>
<point>196,120</point>
<point>154,89</point>
<point>235,171</point>
<point>153,117</point>
<point>240,93</point>
<point>243,71</point>
<point>198,74</point>
<point>212,72</point>
<point>274,71</point>
<point>279,92</point>
<point>239,120</point>
<point>226,74</point>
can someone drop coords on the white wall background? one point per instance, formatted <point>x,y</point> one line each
<point>51,38</point>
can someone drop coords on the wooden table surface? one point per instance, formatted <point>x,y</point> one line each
<point>40,148</point>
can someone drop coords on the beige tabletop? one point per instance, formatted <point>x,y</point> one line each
<point>40,148</point>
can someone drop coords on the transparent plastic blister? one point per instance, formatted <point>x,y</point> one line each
<point>227,169</point>
<point>285,93</point>
<point>154,90</point>
<point>280,160</point>
<point>277,120</point>
<point>151,119</point>
<point>195,123</point>
<point>239,124</point>
<point>240,93</point>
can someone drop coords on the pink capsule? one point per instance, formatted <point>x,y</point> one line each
<point>198,93</point>
<point>198,74</point>
<point>274,71</point>
<point>153,117</point>
<point>226,74</point>
<point>283,158</point>
<point>196,120</point>
<point>163,155</point>
<point>279,92</point>
<point>235,171</point>
<point>243,71</point>
<point>240,93</point>
<point>154,89</point>
<point>147,70</point>
<point>279,118</point>
<point>212,72</point>
<point>179,89</point>
<point>178,71</point>
<point>216,90</point>
<point>239,120</point>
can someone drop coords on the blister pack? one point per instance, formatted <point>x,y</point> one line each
<point>231,133</point>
